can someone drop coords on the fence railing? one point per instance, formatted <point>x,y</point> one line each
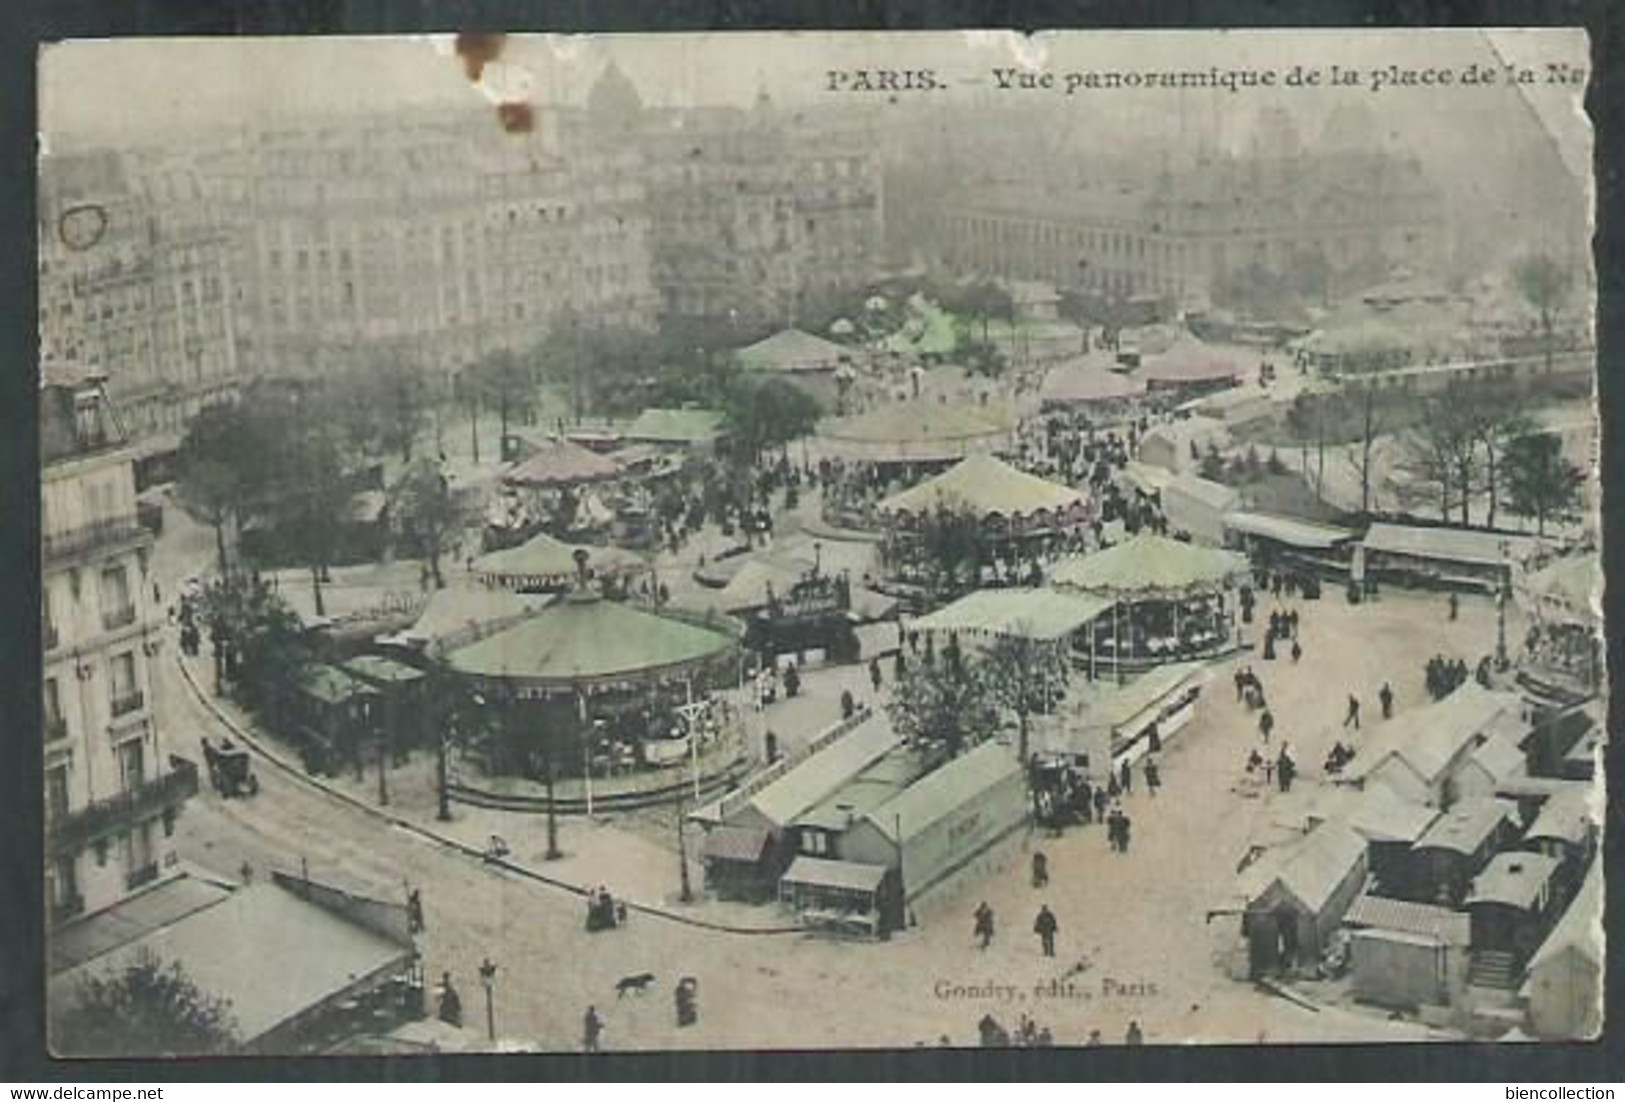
<point>77,829</point>
<point>735,798</point>
<point>87,537</point>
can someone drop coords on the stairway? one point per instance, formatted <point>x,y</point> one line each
<point>1493,969</point>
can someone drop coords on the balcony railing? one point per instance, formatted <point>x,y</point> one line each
<point>129,702</point>
<point>108,532</point>
<point>74,831</point>
<point>146,874</point>
<point>118,618</point>
<point>56,729</point>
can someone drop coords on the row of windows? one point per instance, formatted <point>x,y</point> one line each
<point>124,696</point>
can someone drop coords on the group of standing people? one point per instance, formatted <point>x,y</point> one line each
<point>1445,676</point>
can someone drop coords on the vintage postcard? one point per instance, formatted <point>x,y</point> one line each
<point>769,541</point>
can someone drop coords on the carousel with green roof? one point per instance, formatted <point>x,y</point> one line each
<point>605,698</point>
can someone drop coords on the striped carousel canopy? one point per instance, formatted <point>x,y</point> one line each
<point>989,487</point>
<point>543,561</point>
<point>1149,565</point>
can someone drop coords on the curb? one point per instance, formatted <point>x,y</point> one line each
<point>254,743</point>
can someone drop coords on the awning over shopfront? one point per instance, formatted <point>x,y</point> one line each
<point>1149,566</point>
<point>844,876</point>
<point>1288,530</point>
<point>988,487</point>
<point>1039,614</point>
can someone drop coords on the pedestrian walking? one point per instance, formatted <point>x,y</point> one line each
<point>1125,777</point>
<point>983,928</point>
<point>592,1028</point>
<point>1353,715</point>
<point>1241,685</point>
<point>1297,651</point>
<point>451,1003</point>
<point>1102,798</point>
<point>1455,606</point>
<point>1124,826</point>
<point>874,673</point>
<point>1046,927</point>
<point>1153,777</point>
<point>1285,770</point>
<point>1134,1036</point>
<point>1040,870</point>
<point>1266,724</point>
<point>1386,698</point>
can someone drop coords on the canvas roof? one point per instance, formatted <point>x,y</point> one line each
<point>135,916</point>
<point>1437,923</point>
<point>1466,827</point>
<point>1078,383</point>
<point>944,790</point>
<point>543,557</point>
<point>318,955</point>
<point>1430,738</point>
<point>1499,757</point>
<point>582,638</point>
<point>1215,495</point>
<point>1569,584</point>
<point>331,684</point>
<point>1150,565</point>
<point>809,781</point>
<point>1117,706</point>
<point>728,843</point>
<point>1513,879</point>
<point>1380,814</point>
<point>1310,868</point>
<point>675,426</point>
<point>988,486</point>
<point>1288,530</point>
<point>747,589</point>
<point>921,430</point>
<point>849,876</point>
<point>377,668</point>
<point>793,350</point>
<point>1188,360</point>
<point>1566,816</point>
<point>1148,477</point>
<point>1449,544</point>
<point>1041,614</point>
<point>878,783</point>
<point>1580,930</point>
<point>466,610</point>
<point>562,463</point>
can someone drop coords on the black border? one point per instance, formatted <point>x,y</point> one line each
<point>26,25</point>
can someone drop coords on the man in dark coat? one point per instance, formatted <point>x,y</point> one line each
<point>1386,698</point>
<point>592,1027</point>
<point>1046,927</point>
<point>1353,714</point>
<point>1125,777</point>
<point>983,928</point>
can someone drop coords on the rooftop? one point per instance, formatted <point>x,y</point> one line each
<point>944,790</point>
<point>1513,880</point>
<point>1466,827</point>
<point>808,782</point>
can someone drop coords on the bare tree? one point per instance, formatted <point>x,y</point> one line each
<point>1442,454</point>
<point>1369,410</point>
<point>1545,283</point>
<point>1495,418</point>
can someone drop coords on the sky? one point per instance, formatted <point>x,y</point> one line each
<point>149,87</point>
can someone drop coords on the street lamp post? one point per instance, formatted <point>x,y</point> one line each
<point>488,975</point>
<point>443,793</point>
<point>552,853</point>
<point>1501,660</point>
<point>686,892</point>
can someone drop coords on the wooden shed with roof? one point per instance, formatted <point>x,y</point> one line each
<point>1564,981</point>
<point>1455,847</point>
<point>1297,897</point>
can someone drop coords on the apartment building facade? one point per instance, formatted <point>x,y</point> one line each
<point>112,793</point>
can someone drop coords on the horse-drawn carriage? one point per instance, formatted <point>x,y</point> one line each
<point>230,769</point>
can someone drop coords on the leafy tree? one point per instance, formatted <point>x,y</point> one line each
<point>503,379</point>
<point>1540,482</point>
<point>217,468</point>
<point>426,512</point>
<point>1021,674</point>
<point>381,407</point>
<point>943,705</point>
<point>953,545</point>
<point>262,638</point>
<point>310,493</point>
<point>1545,283</point>
<point>768,413</point>
<point>148,1010</point>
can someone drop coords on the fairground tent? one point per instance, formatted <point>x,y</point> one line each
<point>1564,589</point>
<point>1149,565</point>
<point>684,427</point>
<point>1077,384</point>
<point>1189,361</point>
<point>562,463</point>
<point>920,431</point>
<point>461,614</point>
<point>989,487</point>
<point>543,561</point>
<point>1040,614</point>
<point>793,351</point>
<point>583,641</point>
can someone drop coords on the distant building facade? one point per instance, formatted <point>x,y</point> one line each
<point>441,238</point>
<point>753,213</point>
<point>135,280</point>
<point>111,792</point>
<point>1338,215</point>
